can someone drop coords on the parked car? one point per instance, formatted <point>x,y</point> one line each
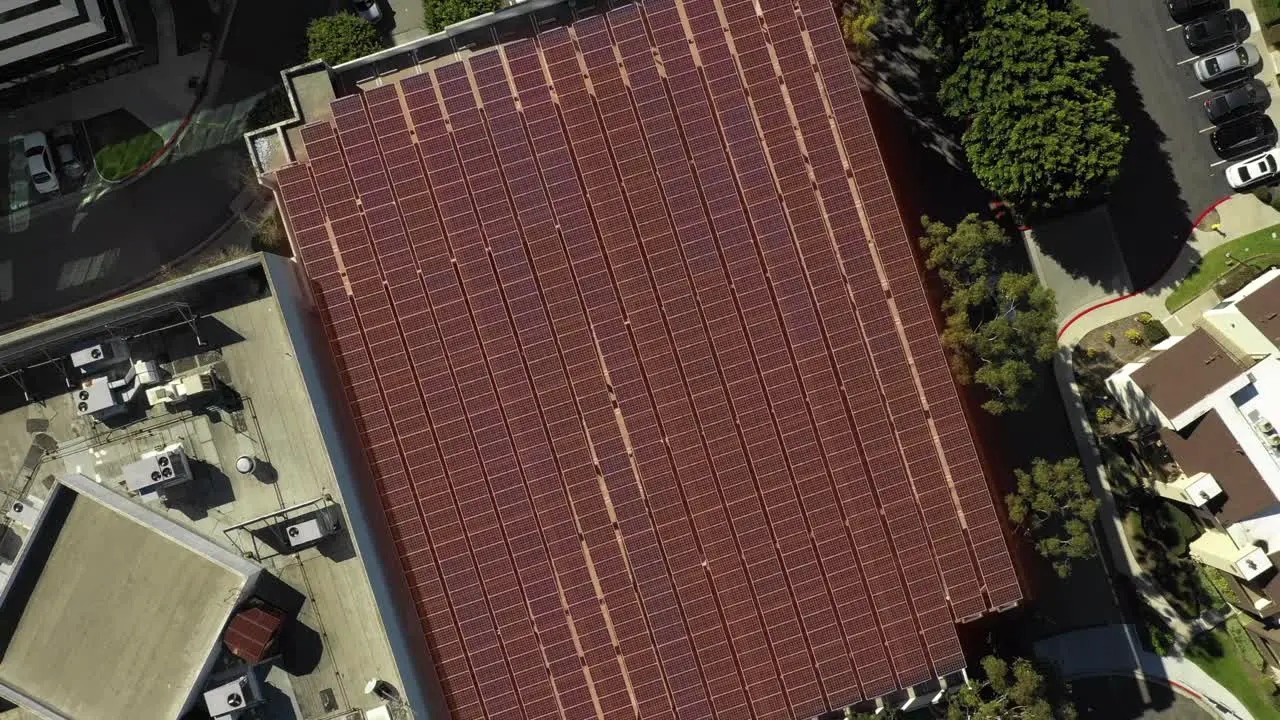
<point>1186,10</point>
<point>1257,169</point>
<point>1235,102</point>
<point>40,162</point>
<point>368,9</point>
<point>1227,64</point>
<point>1215,30</point>
<point>1243,137</point>
<point>64,146</point>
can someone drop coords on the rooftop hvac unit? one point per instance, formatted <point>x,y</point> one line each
<point>158,469</point>
<point>24,512</point>
<point>313,529</point>
<point>109,352</point>
<point>93,396</point>
<point>180,388</point>
<point>232,699</point>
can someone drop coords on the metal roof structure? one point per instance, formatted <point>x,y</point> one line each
<point>645,372</point>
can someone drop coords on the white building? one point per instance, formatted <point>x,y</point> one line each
<point>1213,396</point>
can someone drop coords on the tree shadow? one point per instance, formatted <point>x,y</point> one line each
<point>1148,212</point>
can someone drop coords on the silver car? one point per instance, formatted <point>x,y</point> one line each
<point>1227,63</point>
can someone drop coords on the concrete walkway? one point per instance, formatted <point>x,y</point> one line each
<point>1116,650</point>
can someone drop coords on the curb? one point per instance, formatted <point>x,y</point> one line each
<point>1200,700</point>
<point>1199,218</point>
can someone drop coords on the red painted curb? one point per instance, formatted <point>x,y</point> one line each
<point>1105,303</point>
<point>1186,689</point>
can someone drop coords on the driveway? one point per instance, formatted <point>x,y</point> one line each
<point>1171,173</point>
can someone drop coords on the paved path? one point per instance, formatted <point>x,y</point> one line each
<point>1116,650</point>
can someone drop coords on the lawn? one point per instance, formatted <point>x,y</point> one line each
<point>1218,655</point>
<point>121,143</point>
<point>1260,249</point>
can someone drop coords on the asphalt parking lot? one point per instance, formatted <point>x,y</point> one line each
<point>1171,174</point>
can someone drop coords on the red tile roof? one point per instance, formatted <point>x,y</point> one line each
<point>650,433</point>
<point>252,632</point>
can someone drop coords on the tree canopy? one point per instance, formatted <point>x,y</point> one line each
<point>1055,502</point>
<point>1009,692</point>
<point>341,37</point>
<point>1043,129</point>
<point>858,18</point>
<point>999,324</point>
<point>439,14</point>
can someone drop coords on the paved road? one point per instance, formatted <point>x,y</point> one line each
<point>1167,179</point>
<point>1129,698</point>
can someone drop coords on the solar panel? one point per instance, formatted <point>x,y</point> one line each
<point>601,351</point>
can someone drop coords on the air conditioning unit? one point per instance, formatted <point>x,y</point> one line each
<point>231,699</point>
<point>24,512</point>
<point>109,352</point>
<point>312,530</point>
<point>158,469</point>
<point>93,396</point>
<point>181,388</point>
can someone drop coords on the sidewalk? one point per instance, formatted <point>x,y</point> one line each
<point>1115,650</point>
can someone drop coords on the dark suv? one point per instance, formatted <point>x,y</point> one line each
<point>1183,10</point>
<point>1244,136</point>
<point>1215,30</point>
<point>1236,102</point>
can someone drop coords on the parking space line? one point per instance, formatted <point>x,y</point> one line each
<point>1175,27</point>
<point>1205,130</point>
<point>1190,59</point>
<point>1220,162</point>
<point>1202,92</point>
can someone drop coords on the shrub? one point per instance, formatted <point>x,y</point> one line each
<point>1109,337</point>
<point>1236,278</point>
<point>857,21</point>
<point>1091,353</point>
<point>1133,336</point>
<point>1105,415</point>
<point>439,14</point>
<point>1155,332</point>
<point>1144,318</point>
<point>341,37</point>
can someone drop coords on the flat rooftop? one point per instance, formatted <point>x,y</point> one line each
<point>119,602</point>
<point>651,435</point>
<point>243,328</point>
<point>1262,307</point>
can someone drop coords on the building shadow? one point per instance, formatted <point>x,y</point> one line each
<point>301,648</point>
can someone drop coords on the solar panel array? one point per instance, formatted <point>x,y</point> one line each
<point>645,372</point>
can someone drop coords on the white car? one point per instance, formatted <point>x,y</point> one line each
<point>1251,171</point>
<point>369,10</point>
<point>1227,63</point>
<point>40,162</point>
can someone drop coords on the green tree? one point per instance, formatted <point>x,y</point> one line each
<point>1042,126</point>
<point>341,37</point>
<point>1055,503</point>
<point>999,324</point>
<point>944,26</point>
<point>1017,692</point>
<point>439,14</point>
<point>857,21</point>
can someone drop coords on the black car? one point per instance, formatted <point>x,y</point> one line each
<point>1236,102</point>
<point>1184,10</point>
<point>1215,30</point>
<point>1242,137</point>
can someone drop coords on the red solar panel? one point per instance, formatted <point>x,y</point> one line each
<point>641,453</point>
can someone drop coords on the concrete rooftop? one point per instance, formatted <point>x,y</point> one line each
<point>123,605</point>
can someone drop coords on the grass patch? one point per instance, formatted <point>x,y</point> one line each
<point>1260,248</point>
<point>1218,653</point>
<point>121,143</point>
